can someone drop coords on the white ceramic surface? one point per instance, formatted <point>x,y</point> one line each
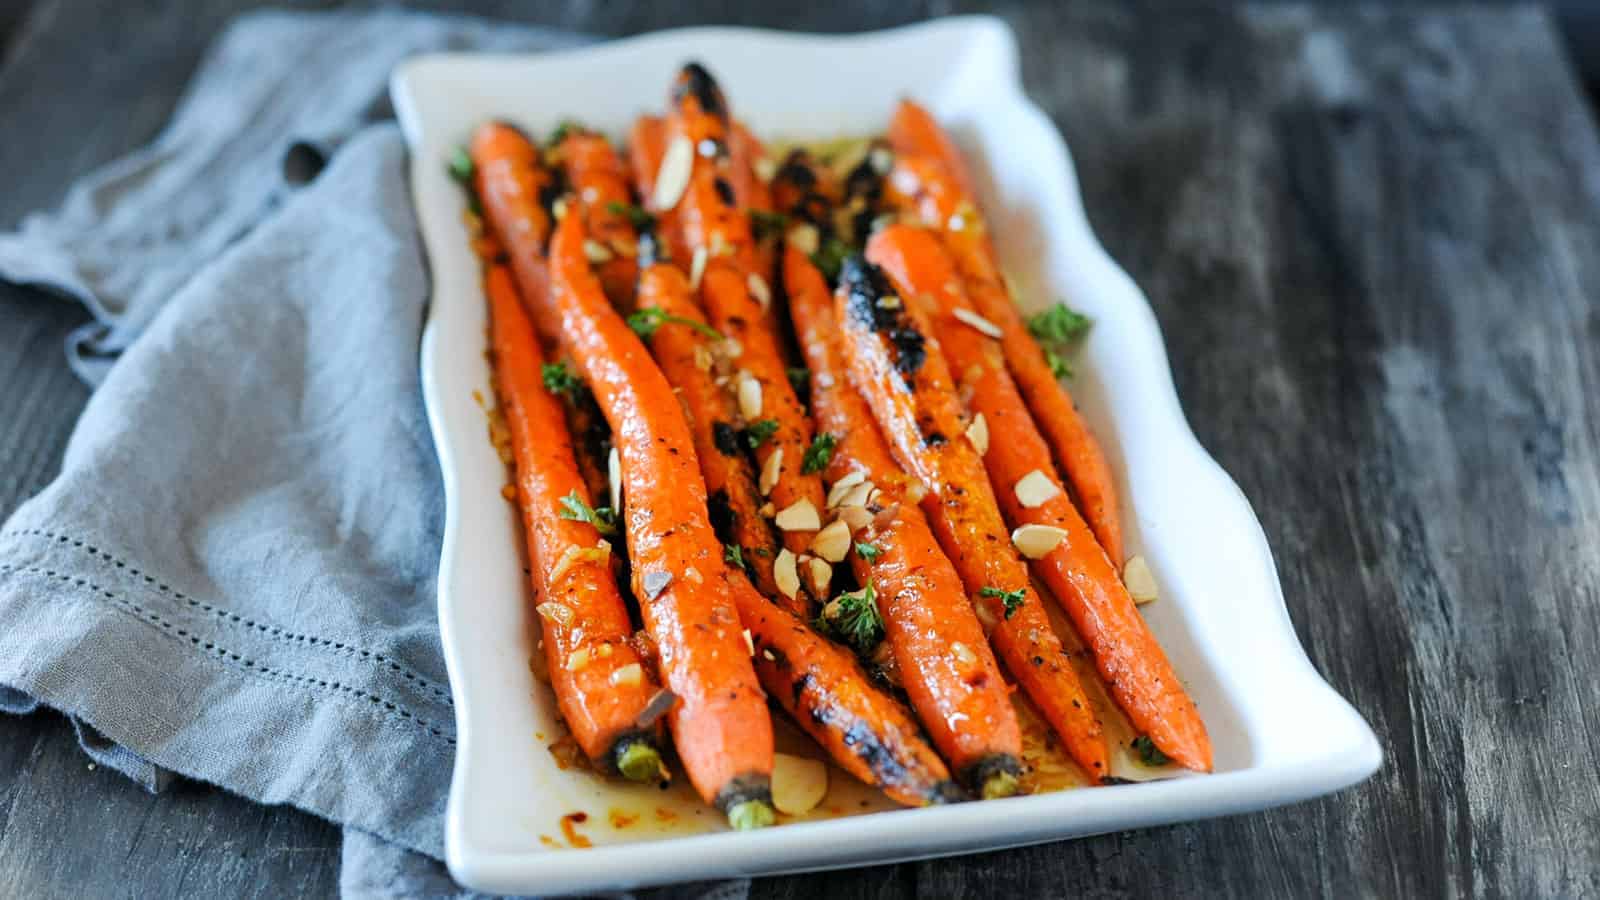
<point>1281,734</point>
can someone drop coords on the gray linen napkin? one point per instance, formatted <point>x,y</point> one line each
<point>233,578</point>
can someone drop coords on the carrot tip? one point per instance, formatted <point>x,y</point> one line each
<point>751,814</point>
<point>639,761</point>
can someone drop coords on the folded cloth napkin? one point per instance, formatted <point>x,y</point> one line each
<point>233,578</point>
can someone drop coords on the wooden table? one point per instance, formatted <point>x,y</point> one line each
<point>1373,243</point>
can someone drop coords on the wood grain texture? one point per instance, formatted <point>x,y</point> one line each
<point>1372,240</point>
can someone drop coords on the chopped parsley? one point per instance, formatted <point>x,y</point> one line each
<point>800,380</point>
<point>645,322</point>
<point>1056,330</point>
<point>461,167</point>
<point>1011,599</point>
<point>637,216</point>
<point>830,257</point>
<point>852,617</point>
<point>1147,751</point>
<point>818,454</point>
<point>764,224</point>
<point>758,433</point>
<point>869,552</point>
<point>567,126</point>
<point>604,519</point>
<point>733,553</point>
<point>558,379</point>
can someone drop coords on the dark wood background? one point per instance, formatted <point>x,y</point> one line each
<point>1372,239</point>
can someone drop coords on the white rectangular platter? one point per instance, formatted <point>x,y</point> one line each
<point>1280,733</point>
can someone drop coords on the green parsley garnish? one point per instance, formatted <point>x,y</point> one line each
<point>869,552</point>
<point>800,379</point>
<point>830,257</point>
<point>733,553</point>
<point>644,323</point>
<point>566,127</point>
<point>852,617</point>
<point>818,454</point>
<point>461,167</point>
<point>764,224</point>
<point>1011,599</point>
<point>558,379</point>
<point>758,433</point>
<point>1147,751</point>
<point>637,216</point>
<point>603,518</point>
<point>1056,330</point>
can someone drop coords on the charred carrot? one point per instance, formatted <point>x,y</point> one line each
<point>948,671</point>
<point>599,183</point>
<point>515,189</point>
<point>647,146</point>
<point>929,177</point>
<point>691,362</point>
<point>600,687</point>
<point>1076,568</point>
<point>720,723</point>
<point>910,393</point>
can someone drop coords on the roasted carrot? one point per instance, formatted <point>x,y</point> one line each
<point>749,157</point>
<point>1077,570</point>
<point>692,362</point>
<point>957,693</point>
<point>647,143</point>
<point>736,299</point>
<point>600,184</point>
<point>720,723</point>
<point>910,393</point>
<point>600,687</point>
<point>515,188</point>
<point>929,177</point>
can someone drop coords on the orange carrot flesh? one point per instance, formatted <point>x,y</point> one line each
<point>960,697</point>
<point>924,184</point>
<point>647,143</point>
<point>914,130</point>
<point>581,612</point>
<point>1077,571</point>
<point>908,388</point>
<point>511,182</point>
<point>600,183</point>
<point>691,362</point>
<point>720,723</point>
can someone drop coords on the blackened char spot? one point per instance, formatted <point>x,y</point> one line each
<point>694,81</point>
<point>935,439</point>
<point>910,349</point>
<point>720,511</point>
<point>724,191</point>
<point>865,284</point>
<point>800,686</point>
<point>726,437</point>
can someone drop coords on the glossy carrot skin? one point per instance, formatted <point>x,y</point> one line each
<point>690,363</point>
<point>922,182</point>
<point>588,643</point>
<point>712,222</point>
<point>965,705</point>
<point>722,729</point>
<point>896,365</point>
<point>914,130</point>
<point>512,184</point>
<point>600,184</point>
<point>1078,571</point>
<point>647,142</point>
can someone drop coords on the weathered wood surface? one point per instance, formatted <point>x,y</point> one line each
<point>1373,243</point>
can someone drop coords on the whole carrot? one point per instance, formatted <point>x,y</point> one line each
<point>948,671</point>
<point>908,387</point>
<point>600,686</point>
<point>1076,569</point>
<point>515,188</point>
<point>930,178</point>
<point>600,184</point>
<point>721,726</point>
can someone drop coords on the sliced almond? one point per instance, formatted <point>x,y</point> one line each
<point>1141,582</point>
<point>577,659</point>
<point>819,574</point>
<point>832,543</point>
<point>770,470</point>
<point>963,654</point>
<point>798,784</point>
<point>677,164</point>
<point>702,358</point>
<point>1035,489</point>
<point>842,487</point>
<point>614,475</point>
<point>559,208</point>
<point>759,290</point>
<point>596,251</point>
<point>858,495</point>
<point>765,168</point>
<point>968,317</point>
<point>1036,541</point>
<point>783,571</point>
<point>978,434</point>
<point>749,397</point>
<point>881,159</point>
<point>804,237</point>
<point>915,491</point>
<point>767,510</point>
<point>573,555</point>
<point>697,268</point>
<point>856,517</point>
<point>555,612</point>
<point>889,301</point>
<point>798,516</point>
<point>632,673</point>
<point>749,642</point>
<point>692,574</point>
<point>604,651</point>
